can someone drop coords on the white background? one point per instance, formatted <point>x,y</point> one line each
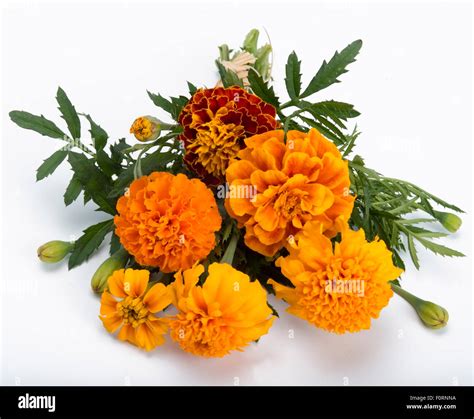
<point>412,83</point>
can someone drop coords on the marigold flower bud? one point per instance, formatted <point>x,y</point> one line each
<point>431,314</point>
<point>115,262</point>
<point>450,222</point>
<point>146,128</point>
<point>54,251</point>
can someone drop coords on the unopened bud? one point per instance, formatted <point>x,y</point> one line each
<point>146,128</point>
<point>117,261</point>
<point>432,315</point>
<point>54,251</point>
<point>450,222</point>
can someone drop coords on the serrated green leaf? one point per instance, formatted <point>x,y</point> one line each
<point>50,164</point>
<point>89,242</point>
<point>161,102</point>
<point>114,244</point>
<point>334,109</point>
<point>413,252</point>
<point>330,71</point>
<point>39,124</point>
<point>152,162</point>
<point>228,77</point>
<point>98,134</point>
<point>87,197</point>
<point>293,76</point>
<point>69,114</point>
<point>263,90</point>
<point>116,150</point>
<point>72,191</point>
<point>192,88</point>
<point>421,232</point>
<point>107,165</point>
<point>417,221</point>
<point>94,182</point>
<point>439,248</point>
<point>178,104</point>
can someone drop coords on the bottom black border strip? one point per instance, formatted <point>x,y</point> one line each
<point>135,402</point>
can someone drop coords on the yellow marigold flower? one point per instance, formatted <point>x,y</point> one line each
<point>304,179</point>
<point>146,128</point>
<point>338,289</point>
<point>224,314</point>
<point>167,221</point>
<point>130,307</point>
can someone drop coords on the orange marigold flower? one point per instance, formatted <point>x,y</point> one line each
<point>224,314</point>
<point>131,307</point>
<point>160,221</point>
<point>215,123</point>
<point>304,179</point>
<point>338,289</point>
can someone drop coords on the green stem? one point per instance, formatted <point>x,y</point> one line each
<point>230,251</point>
<point>286,104</point>
<point>410,298</point>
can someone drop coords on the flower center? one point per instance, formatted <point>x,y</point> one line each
<point>132,311</point>
<point>215,144</point>
<point>288,205</point>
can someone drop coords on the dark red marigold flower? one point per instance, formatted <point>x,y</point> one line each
<point>216,123</point>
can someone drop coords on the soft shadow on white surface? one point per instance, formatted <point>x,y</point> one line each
<point>416,125</point>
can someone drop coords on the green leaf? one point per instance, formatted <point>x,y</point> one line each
<point>413,253</point>
<point>116,150</point>
<point>422,232</point>
<point>114,244</point>
<point>89,242</point>
<point>439,248</point>
<point>152,162</point>
<point>98,134</point>
<point>228,78</point>
<point>50,164</point>
<point>173,106</point>
<point>72,191</point>
<point>69,114</point>
<point>262,89</point>
<point>178,104</point>
<point>161,102</point>
<point>192,88</point>
<point>94,182</point>
<point>293,76</point>
<point>330,71</point>
<point>39,124</point>
<point>106,164</point>
<point>333,109</point>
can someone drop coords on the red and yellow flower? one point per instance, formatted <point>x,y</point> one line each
<point>300,180</point>
<point>216,123</point>
<point>167,221</point>
<point>341,288</point>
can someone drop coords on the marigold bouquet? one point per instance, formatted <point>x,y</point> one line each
<point>239,195</point>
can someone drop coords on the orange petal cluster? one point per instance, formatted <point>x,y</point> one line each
<point>338,289</point>
<point>298,180</point>
<point>215,123</point>
<point>160,221</point>
<point>224,314</point>
<point>130,307</point>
